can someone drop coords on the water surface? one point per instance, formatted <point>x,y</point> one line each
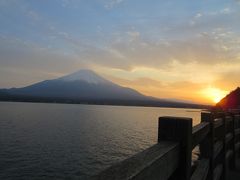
<point>64,141</point>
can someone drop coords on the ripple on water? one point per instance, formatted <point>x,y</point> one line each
<point>57,141</point>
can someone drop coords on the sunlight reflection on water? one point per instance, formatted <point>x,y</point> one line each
<point>63,141</point>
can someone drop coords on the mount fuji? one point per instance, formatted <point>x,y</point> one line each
<point>84,86</point>
<point>81,85</point>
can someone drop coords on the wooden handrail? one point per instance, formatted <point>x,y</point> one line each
<point>218,122</point>
<point>218,171</point>
<point>218,136</point>
<point>199,132</point>
<point>164,156</point>
<point>201,171</point>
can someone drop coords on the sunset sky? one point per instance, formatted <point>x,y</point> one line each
<point>174,49</point>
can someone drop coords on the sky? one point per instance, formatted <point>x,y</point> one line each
<point>187,50</point>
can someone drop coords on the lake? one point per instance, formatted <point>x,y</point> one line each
<point>66,141</point>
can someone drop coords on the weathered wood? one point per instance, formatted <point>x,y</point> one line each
<point>237,132</point>
<point>229,158</point>
<point>228,119</point>
<point>218,122</point>
<point>237,120</point>
<point>224,149</point>
<point>231,142</point>
<point>219,138</point>
<point>201,171</point>
<point>199,132</point>
<point>207,145</point>
<point>218,147</point>
<point>237,146</point>
<point>155,163</point>
<point>229,155</point>
<point>178,129</point>
<point>218,172</point>
<point>228,137</point>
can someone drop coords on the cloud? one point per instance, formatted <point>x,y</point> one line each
<point>170,90</point>
<point>228,80</point>
<point>203,49</point>
<point>33,16</point>
<point>138,82</point>
<point>149,47</point>
<point>109,4</point>
<point>65,3</point>
<point>129,50</point>
<point>8,3</point>
<point>132,47</point>
<point>24,59</point>
<point>195,19</point>
<point>226,11</point>
<point>70,3</point>
<point>198,15</point>
<point>134,35</point>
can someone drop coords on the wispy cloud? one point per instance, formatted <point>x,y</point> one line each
<point>109,4</point>
<point>161,43</point>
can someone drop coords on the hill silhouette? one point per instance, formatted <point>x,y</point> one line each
<point>231,101</point>
<point>86,87</point>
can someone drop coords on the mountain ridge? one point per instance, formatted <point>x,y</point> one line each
<point>85,75</point>
<point>231,101</point>
<point>83,84</point>
<point>87,87</point>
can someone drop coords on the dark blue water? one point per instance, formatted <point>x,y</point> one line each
<point>63,141</point>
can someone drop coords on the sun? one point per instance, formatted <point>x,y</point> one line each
<point>217,99</point>
<point>214,94</point>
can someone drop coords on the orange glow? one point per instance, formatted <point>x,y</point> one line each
<point>214,94</point>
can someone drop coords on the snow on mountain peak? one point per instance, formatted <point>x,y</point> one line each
<point>85,75</point>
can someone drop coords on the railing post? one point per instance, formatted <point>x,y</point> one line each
<point>224,150</point>
<point>232,129</point>
<point>207,146</point>
<point>237,125</point>
<point>237,138</point>
<point>179,130</point>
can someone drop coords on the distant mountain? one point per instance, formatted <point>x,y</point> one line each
<point>84,86</point>
<point>85,75</point>
<point>231,101</point>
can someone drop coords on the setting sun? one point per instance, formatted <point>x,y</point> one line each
<point>214,94</point>
<point>217,99</point>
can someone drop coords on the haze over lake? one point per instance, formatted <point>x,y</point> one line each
<point>65,141</point>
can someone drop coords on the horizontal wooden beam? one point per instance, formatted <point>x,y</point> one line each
<point>218,172</point>
<point>229,154</point>
<point>171,157</point>
<point>228,137</point>
<point>218,122</point>
<point>237,146</point>
<point>201,171</point>
<point>228,119</point>
<point>200,132</point>
<point>237,131</point>
<point>218,146</point>
<point>157,162</point>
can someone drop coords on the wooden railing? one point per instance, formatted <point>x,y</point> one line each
<point>217,137</point>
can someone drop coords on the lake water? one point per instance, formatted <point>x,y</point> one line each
<point>64,141</point>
